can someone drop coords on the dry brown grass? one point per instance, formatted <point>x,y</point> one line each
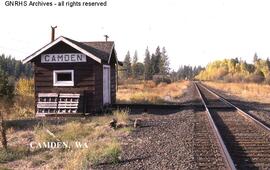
<point>121,115</point>
<point>248,91</point>
<point>101,139</point>
<point>149,92</point>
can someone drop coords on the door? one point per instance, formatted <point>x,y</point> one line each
<point>106,85</point>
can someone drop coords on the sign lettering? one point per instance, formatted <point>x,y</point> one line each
<point>63,58</point>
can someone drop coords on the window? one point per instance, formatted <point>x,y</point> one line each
<point>63,77</point>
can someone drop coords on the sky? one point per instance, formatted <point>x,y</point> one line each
<point>194,32</point>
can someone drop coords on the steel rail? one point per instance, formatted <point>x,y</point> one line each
<point>243,113</point>
<point>224,151</point>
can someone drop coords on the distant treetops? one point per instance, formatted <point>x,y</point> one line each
<point>157,63</point>
<point>14,68</point>
<point>156,66</point>
<point>235,70</point>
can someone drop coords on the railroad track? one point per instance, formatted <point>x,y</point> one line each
<point>206,150</point>
<point>244,142</point>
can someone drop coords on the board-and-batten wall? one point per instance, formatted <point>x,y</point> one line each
<point>88,78</point>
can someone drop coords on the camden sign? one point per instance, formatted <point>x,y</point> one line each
<point>63,58</point>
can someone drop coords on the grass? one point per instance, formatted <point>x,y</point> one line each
<point>248,91</point>
<point>75,131</point>
<point>112,152</point>
<point>121,115</point>
<point>149,92</point>
<point>13,153</point>
<point>101,139</point>
<point>41,135</point>
<point>102,143</point>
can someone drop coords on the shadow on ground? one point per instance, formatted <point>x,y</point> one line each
<point>157,109</point>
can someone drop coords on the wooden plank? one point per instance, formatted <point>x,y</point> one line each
<point>43,79</point>
<point>44,84</point>
<point>77,85</point>
<point>49,85</point>
<point>67,104</point>
<point>71,107</point>
<point>49,103</point>
<point>85,83</point>
<point>62,90</point>
<point>65,95</point>
<point>47,95</point>
<point>46,106</point>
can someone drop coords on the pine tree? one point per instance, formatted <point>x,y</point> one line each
<point>127,66</point>
<point>156,59</point>
<point>140,70</point>
<point>153,63</point>
<point>147,66</point>
<point>134,65</point>
<point>14,68</point>
<point>164,63</point>
<point>18,69</point>
<point>255,58</point>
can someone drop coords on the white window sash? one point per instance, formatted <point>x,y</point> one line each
<point>63,83</point>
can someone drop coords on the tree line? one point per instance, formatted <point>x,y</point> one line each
<point>155,66</point>
<point>237,70</point>
<point>186,72</point>
<point>14,68</point>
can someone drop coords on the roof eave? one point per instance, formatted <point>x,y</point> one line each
<point>113,49</point>
<point>29,58</point>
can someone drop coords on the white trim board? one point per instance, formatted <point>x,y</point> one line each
<point>63,83</point>
<point>111,55</point>
<point>57,41</point>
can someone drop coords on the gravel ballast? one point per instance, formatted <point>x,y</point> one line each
<point>166,140</point>
<point>161,142</point>
<point>260,111</point>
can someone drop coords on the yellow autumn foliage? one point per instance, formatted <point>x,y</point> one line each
<point>25,87</point>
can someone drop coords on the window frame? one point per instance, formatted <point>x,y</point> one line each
<point>63,83</point>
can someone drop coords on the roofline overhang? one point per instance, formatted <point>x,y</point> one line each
<point>59,39</point>
<point>113,49</point>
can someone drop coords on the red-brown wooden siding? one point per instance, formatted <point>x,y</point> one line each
<point>88,78</point>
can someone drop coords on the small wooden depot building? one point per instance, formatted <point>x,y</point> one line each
<point>74,77</point>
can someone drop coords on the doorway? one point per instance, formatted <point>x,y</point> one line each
<point>106,85</point>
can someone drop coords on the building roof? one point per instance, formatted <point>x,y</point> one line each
<point>99,51</point>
